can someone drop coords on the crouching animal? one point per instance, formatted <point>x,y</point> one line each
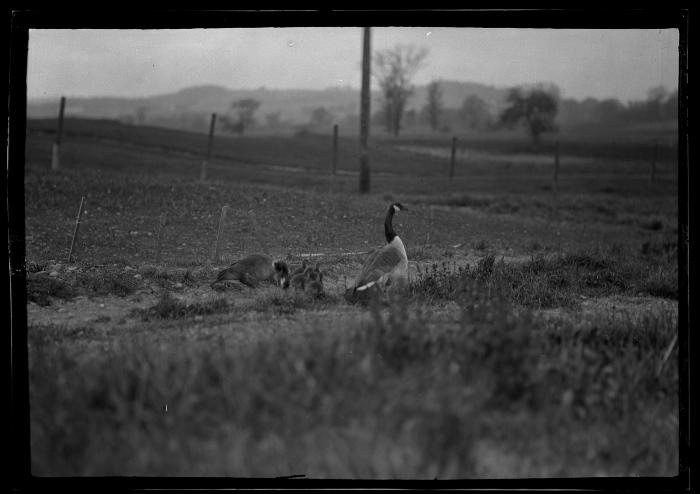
<point>255,269</point>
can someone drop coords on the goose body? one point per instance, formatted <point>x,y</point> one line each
<point>255,269</point>
<point>387,265</point>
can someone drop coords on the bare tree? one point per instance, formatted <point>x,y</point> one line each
<point>246,114</point>
<point>537,108</point>
<point>394,69</point>
<point>433,108</point>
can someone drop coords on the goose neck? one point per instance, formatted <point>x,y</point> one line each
<point>389,232</point>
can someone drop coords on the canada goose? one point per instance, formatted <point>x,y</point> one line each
<point>254,269</point>
<point>388,264</point>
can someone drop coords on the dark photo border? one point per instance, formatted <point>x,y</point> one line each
<point>20,21</point>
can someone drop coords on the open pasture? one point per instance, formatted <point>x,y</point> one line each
<point>536,338</point>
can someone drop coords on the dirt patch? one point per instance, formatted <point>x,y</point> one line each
<point>104,311</point>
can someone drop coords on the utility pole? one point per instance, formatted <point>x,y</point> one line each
<point>365,112</point>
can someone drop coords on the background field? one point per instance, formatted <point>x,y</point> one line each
<point>536,339</point>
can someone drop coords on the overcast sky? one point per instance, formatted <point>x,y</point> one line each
<point>622,64</point>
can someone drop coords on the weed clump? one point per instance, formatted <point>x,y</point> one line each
<point>168,307</point>
<point>165,278</point>
<point>41,288</point>
<point>106,283</point>
<point>35,267</point>
<point>661,283</point>
<point>438,282</point>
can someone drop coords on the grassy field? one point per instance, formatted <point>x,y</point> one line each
<point>535,339</point>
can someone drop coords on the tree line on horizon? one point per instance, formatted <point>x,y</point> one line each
<point>537,108</point>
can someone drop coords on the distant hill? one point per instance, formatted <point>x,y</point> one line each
<point>454,93</point>
<point>293,106</point>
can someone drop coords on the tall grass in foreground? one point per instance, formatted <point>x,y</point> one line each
<point>403,395</point>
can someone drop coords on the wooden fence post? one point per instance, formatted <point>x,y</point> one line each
<point>335,148</point>
<point>452,157</point>
<point>555,177</point>
<point>56,149</point>
<point>430,227</point>
<point>222,220</point>
<point>652,167</point>
<point>203,172</point>
<point>75,229</point>
<point>159,237</point>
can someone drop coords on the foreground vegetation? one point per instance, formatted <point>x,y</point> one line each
<point>489,389</point>
<point>536,338</point>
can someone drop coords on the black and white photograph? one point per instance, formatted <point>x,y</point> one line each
<point>350,249</point>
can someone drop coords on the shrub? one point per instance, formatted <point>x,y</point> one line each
<point>289,301</point>
<point>438,282</point>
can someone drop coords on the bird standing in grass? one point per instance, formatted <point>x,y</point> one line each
<point>386,266</point>
<point>255,269</point>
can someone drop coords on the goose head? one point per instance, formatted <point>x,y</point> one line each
<point>397,206</point>
<point>389,232</point>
